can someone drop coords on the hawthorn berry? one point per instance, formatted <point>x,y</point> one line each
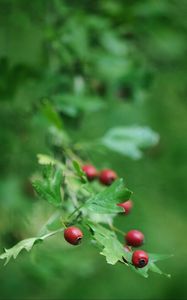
<point>127,206</point>
<point>134,238</point>
<point>107,176</point>
<point>73,235</point>
<point>90,171</point>
<point>140,258</point>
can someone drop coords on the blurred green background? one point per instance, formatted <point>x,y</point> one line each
<point>100,64</point>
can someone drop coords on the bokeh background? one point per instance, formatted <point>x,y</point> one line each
<point>100,64</point>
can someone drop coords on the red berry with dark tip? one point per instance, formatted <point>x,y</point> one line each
<point>140,258</point>
<point>107,176</point>
<point>134,238</point>
<point>90,171</point>
<point>127,206</point>
<point>73,235</point>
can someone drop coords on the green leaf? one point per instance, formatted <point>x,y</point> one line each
<point>44,159</point>
<point>156,257</point>
<point>130,141</point>
<point>47,171</point>
<point>142,272</point>
<point>106,201</point>
<point>112,249</point>
<point>152,266</point>
<point>79,171</point>
<point>43,190</point>
<point>155,269</point>
<point>49,188</point>
<point>26,244</point>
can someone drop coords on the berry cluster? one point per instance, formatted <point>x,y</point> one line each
<point>133,238</point>
<point>106,176</point>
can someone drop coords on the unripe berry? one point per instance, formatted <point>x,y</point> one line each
<point>134,238</point>
<point>73,235</point>
<point>127,205</point>
<point>107,176</point>
<point>90,171</point>
<point>140,258</point>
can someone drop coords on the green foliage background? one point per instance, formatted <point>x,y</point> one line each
<point>101,64</point>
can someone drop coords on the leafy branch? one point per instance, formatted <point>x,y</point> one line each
<point>59,185</point>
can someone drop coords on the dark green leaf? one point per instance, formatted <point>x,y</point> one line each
<point>44,159</point>
<point>50,188</point>
<point>79,171</point>
<point>106,201</point>
<point>112,249</point>
<point>152,266</point>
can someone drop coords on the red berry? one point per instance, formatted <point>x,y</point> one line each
<point>134,238</point>
<point>127,205</point>
<point>73,235</point>
<point>90,172</point>
<point>140,258</point>
<point>107,177</point>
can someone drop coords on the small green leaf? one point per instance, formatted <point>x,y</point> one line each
<point>79,171</point>
<point>47,171</point>
<point>44,159</point>
<point>26,244</point>
<point>106,201</point>
<point>49,188</point>
<point>43,190</point>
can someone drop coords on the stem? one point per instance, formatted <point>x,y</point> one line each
<point>62,221</point>
<point>76,210</point>
<point>116,229</point>
<point>50,220</point>
<point>51,233</point>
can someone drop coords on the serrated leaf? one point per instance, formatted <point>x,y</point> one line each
<point>79,171</point>
<point>49,188</point>
<point>112,249</point>
<point>47,171</point>
<point>152,266</point>
<point>44,159</point>
<point>43,191</point>
<point>130,141</point>
<point>26,244</point>
<point>106,201</point>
